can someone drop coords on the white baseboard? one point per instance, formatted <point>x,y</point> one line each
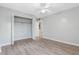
<point>11,43</point>
<point>22,38</point>
<point>74,44</point>
<point>5,44</point>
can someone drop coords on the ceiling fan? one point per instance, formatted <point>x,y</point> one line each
<point>45,7</point>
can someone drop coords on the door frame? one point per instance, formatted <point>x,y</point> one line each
<point>12,28</point>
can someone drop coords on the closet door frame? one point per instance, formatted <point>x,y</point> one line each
<point>12,28</point>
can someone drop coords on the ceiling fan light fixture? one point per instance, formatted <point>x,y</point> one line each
<point>43,11</point>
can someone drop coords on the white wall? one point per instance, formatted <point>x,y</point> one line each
<point>6,16</point>
<point>22,28</point>
<point>5,26</point>
<point>35,28</point>
<point>63,26</point>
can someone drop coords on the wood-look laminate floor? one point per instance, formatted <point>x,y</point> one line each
<point>39,47</point>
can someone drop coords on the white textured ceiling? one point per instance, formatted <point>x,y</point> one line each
<point>34,8</point>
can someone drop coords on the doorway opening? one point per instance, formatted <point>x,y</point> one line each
<point>22,28</point>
